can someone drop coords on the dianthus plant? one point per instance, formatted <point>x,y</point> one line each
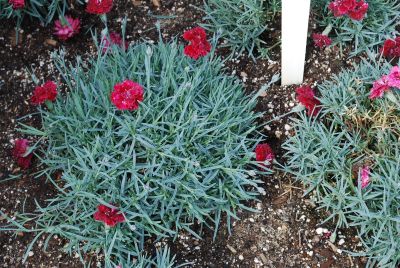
<point>43,10</point>
<point>370,30</point>
<point>180,157</point>
<point>349,158</point>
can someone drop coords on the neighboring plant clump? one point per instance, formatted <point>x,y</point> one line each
<point>146,142</point>
<point>348,155</point>
<point>365,24</point>
<point>43,10</point>
<point>239,22</point>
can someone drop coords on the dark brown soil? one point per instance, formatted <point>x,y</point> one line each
<point>283,234</point>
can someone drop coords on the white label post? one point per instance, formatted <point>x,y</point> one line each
<point>295,15</point>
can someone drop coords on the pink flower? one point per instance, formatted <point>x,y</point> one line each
<point>113,39</point>
<point>110,216</point>
<point>21,146</point>
<point>394,77</point>
<point>46,92</point>
<point>99,6</point>
<point>379,88</point>
<point>264,154</point>
<point>306,96</point>
<point>66,28</point>
<point>199,45</point>
<point>321,40</point>
<point>364,176</point>
<point>17,4</point>
<point>127,95</point>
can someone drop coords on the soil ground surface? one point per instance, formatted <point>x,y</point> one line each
<point>287,232</point>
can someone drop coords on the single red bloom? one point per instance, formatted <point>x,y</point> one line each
<point>20,148</point>
<point>67,28</point>
<point>127,95</point>
<point>113,39</point>
<point>17,4</point>
<point>110,216</point>
<point>199,45</point>
<point>359,11</point>
<point>391,48</point>
<point>48,91</point>
<point>99,6</point>
<point>321,40</point>
<point>264,154</point>
<point>306,96</point>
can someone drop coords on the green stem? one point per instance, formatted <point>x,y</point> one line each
<point>328,29</point>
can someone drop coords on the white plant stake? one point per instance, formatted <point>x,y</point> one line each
<point>295,14</point>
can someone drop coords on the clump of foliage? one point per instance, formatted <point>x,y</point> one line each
<point>43,10</point>
<point>349,158</point>
<point>380,23</point>
<point>239,22</point>
<point>183,157</point>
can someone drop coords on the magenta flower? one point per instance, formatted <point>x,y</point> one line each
<point>66,28</point>
<point>364,176</point>
<point>394,77</point>
<point>379,88</point>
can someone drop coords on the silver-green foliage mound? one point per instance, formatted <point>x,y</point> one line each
<point>182,158</point>
<point>329,153</point>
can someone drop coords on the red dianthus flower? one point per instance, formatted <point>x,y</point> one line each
<point>264,154</point>
<point>46,92</point>
<point>110,216</point>
<point>127,95</point>
<point>391,48</point>
<point>355,10</point>
<point>199,45</point>
<point>321,40</point>
<point>306,96</point>
<point>99,6</point>
<point>17,4</point>
<point>20,148</point>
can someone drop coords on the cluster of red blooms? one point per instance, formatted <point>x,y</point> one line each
<point>21,147</point>
<point>355,10</point>
<point>127,95</point>
<point>113,39</point>
<point>199,45</point>
<point>306,96</point>
<point>391,48</point>
<point>385,83</point>
<point>321,40</point>
<point>111,216</point>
